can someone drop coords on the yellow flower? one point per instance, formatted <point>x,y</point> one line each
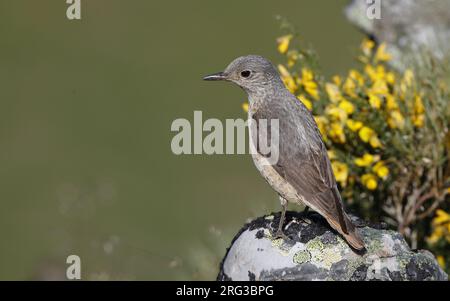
<point>418,105</point>
<point>349,87</point>
<point>396,120</point>
<point>347,106</point>
<point>336,133</point>
<point>287,79</point>
<point>379,87</point>
<point>390,78</point>
<point>408,77</point>
<point>365,160</point>
<point>311,89</point>
<point>292,58</point>
<point>371,72</point>
<point>441,260</point>
<point>367,46</point>
<point>322,123</point>
<point>340,171</point>
<point>375,74</point>
<point>305,101</point>
<point>370,181</point>
<point>369,136</point>
<point>374,100</point>
<point>353,125</point>
<point>357,77</point>
<point>245,107</point>
<point>375,142</point>
<point>331,155</point>
<point>441,227</point>
<point>381,170</point>
<point>366,133</point>
<point>418,120</point>
<point>336,113</point>
<point>283,71</point>
<point>441,217</point>
<point>391,104</point>
<point>333,92</point>
<point>407,81</point>
<point>308,83</point>
<point>307,74</point>
<point>283,43</point>
<point>337,80</point>
<point>437,234</point>
<point>381,54</point>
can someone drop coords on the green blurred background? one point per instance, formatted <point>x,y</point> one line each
<point>86,108</point>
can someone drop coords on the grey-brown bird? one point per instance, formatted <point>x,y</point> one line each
<point>303,172</point>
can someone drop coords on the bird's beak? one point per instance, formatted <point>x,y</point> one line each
<point>216,76</point>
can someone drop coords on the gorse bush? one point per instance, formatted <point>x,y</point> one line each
<point>387,137</point>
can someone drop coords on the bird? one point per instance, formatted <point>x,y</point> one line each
<point>302,174</point>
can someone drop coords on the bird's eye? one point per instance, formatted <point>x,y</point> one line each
<point>245,73</point>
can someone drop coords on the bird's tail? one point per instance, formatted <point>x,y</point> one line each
<point>351,235</point>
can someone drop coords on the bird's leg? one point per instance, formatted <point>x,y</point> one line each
<point>304,215</point>
<point>306,210</point>
<point>280,233</point>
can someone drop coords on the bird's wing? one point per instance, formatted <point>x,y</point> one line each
<point>303,160</point>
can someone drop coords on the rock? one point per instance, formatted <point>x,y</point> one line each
<point>406,26</point>
<point>316,252</point>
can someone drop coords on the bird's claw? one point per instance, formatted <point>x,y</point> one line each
<point>279,234</point>
<point>305,220</point>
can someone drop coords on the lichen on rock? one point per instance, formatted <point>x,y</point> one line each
<point>316,252</point>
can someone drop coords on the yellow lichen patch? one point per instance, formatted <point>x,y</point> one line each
<point>330,256</point>
<point>315,248</point>
<point>301,257</point>
<point>279,244</point>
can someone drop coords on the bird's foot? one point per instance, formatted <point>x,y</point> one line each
<point>279,234</point>
<point>305,220</point>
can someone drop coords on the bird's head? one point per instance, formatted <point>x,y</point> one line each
<point>253,73</point>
